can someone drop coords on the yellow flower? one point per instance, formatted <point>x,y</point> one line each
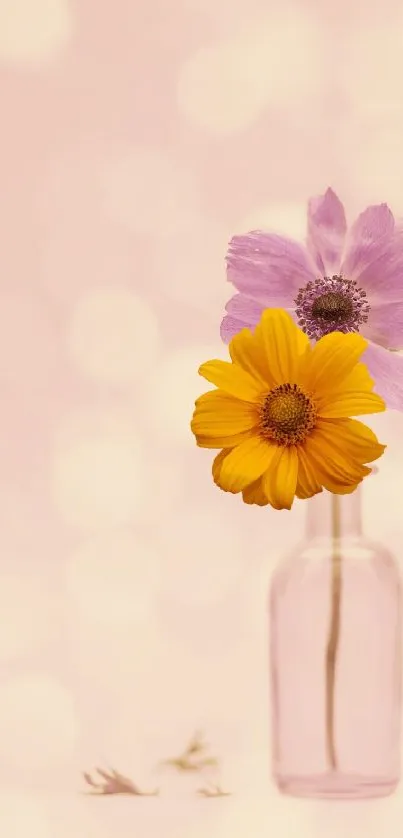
<point>281,414</point>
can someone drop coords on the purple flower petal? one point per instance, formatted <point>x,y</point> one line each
<point>327,228</point>
<point>245,308</point>
<point>385,325</point>
<point>375,224</point>
<point>243,312</point>
<point>386,368</point>
<point>268,267</point>
<point>380,271</point>
<point>230,326</point>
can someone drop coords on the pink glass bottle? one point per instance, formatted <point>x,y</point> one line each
<point>336,671</point>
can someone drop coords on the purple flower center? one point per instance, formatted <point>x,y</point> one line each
<point>331,304</point>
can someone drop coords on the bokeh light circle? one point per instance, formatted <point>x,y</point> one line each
<point>113,336</point>
<point>97,469</point>
<point>33,31</point>
<point>224,87</point>
<point>113,578</point>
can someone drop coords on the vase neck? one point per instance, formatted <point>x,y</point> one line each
<point>320,517</point>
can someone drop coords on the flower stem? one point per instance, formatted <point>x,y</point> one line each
<point>334,633</point>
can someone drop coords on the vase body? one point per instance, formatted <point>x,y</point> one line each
<point>356,752</point>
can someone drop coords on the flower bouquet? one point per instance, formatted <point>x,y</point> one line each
<point>310,335</point>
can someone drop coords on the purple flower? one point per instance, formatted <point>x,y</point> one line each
<point>343,280</point>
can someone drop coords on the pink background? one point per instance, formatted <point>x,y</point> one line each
<point>135,138</point>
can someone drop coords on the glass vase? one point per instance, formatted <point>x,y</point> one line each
<point>335,636</point>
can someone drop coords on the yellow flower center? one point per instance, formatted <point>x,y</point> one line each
<point>287,415</point>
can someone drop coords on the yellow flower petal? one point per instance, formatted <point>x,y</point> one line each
<point>282,343</point>
<point>246,352</point>
<point>219,414</point>
<point>341,488</point>
<point>332,461</point>
<point>351,404</point>
<point>223,441</point>
<point>217,463</point>
<point>331,360</point>
<point>358,385</point>
<point>352,437</point>
<point>280,480</point>
<point>307,482</point>
<point>232,379</point>
<point>245,464</point>
<point>254,494</point>
<point>358,380</point>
